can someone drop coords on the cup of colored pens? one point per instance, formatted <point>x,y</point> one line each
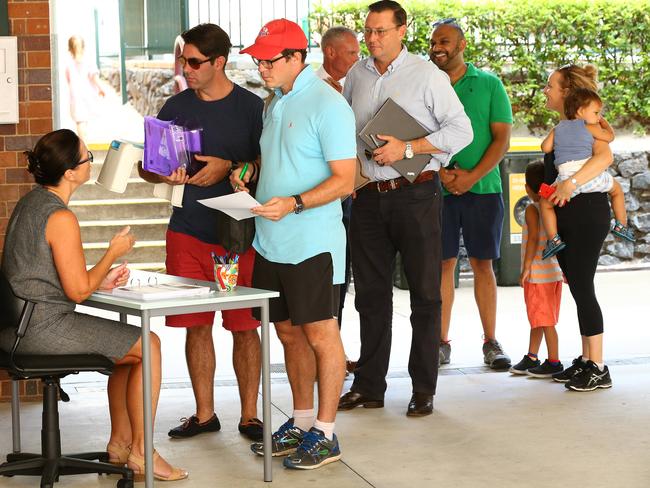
<point>226,271</point>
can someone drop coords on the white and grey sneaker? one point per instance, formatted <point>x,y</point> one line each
<point>494,356</point>
<point>590,378</point>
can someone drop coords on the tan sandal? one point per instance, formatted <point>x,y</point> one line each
<point>136,463</point>
<point>117,455</point>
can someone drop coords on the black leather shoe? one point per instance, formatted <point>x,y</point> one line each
<point>191,427</point>
<point>420,405</point>
<point>353,399</point>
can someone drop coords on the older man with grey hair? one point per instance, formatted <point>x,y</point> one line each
<point>340,48</point>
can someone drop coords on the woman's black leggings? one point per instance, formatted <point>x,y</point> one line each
<point>583,224</point>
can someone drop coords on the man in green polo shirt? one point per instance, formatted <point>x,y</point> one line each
<point>473,202</point>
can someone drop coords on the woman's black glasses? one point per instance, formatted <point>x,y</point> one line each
<point>89,159</point>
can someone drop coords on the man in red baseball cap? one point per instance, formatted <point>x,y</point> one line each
<point>308,148</point>
<point>276,36</point>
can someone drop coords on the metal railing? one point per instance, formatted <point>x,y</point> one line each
<point>242,19</point>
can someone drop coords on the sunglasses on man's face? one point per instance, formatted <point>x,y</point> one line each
<point>193,63</point>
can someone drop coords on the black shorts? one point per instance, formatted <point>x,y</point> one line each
<point>481,219</point>
<point>306,291</point>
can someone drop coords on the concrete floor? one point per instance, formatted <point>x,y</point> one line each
<point>488,430</point>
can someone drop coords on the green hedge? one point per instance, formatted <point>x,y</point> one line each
<point>523,40</point>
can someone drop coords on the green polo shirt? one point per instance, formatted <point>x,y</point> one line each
<point>485,101</point>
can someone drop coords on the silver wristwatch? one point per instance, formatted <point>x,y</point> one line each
<point>408,152</point>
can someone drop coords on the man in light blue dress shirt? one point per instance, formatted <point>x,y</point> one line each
<point>307,165</point>
<point>390,214</point>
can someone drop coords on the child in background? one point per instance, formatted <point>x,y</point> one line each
<point>542,283</point>
<point>83,83</point>
<point>572,141</point>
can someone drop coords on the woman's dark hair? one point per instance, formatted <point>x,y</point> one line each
<point>577,99</point>
<point>399,13</point>
<point>210,39</point>
<point>535,175</point>
<point>53,155</point>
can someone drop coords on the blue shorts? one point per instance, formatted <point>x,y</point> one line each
<point>481,219</point>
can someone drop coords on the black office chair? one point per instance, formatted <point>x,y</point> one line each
<point>15,313</point>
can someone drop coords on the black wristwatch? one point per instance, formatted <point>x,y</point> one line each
<point>299,207</point>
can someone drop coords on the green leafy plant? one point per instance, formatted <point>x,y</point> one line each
<point>522,41</point>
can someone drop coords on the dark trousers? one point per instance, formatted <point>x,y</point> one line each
<point>406,220</point>
<point>583,224</point>
<point>347,209</point>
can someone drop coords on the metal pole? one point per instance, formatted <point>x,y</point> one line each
<point>229,17</point>
<point>15,415</point>
<point>308,25</point>
<point>266,392</point>
<point>185,15</point>
<point>146,400</point>
<point>96,15</point>
<point>122,13</point>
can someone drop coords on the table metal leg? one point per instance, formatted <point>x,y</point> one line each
<point>146,400</point>
<point>15,415</point>
<point>266,392</point>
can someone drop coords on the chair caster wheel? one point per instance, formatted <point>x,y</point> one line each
<point>124,483</point>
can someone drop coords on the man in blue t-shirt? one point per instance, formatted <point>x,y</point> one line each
<point>231,120</point>
<point>308,162</point>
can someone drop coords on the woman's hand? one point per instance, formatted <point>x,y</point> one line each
<point>118,276</point>
<point>122,242</point>
<point>562,194</point>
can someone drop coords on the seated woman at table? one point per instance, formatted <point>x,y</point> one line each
<point>44,263</point>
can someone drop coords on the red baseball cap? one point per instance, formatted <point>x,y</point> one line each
<point>276,36</point>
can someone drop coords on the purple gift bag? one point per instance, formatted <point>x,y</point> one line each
<point>168,146</point>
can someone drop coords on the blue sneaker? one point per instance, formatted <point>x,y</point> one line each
<point>285,441</point>
<point>314,451</point>
<point>553,246</point>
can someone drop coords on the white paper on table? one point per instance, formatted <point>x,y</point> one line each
<point>237,205</point>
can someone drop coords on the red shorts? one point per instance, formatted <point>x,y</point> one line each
<point>543,303</point>
<point>190,257</point>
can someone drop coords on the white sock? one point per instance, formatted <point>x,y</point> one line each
<point>304,419</point>
<point>584,360</point>
<point>601,366</point>
<point>326,427</point>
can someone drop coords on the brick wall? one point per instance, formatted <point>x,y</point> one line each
<point>30,22</point>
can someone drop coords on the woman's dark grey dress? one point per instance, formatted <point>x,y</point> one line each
<point>55,328</point>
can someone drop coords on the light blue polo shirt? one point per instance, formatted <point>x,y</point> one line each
<point>303,130</point>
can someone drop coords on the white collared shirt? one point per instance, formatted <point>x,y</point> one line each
<point>420,88</point>
<point>323,75</point>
